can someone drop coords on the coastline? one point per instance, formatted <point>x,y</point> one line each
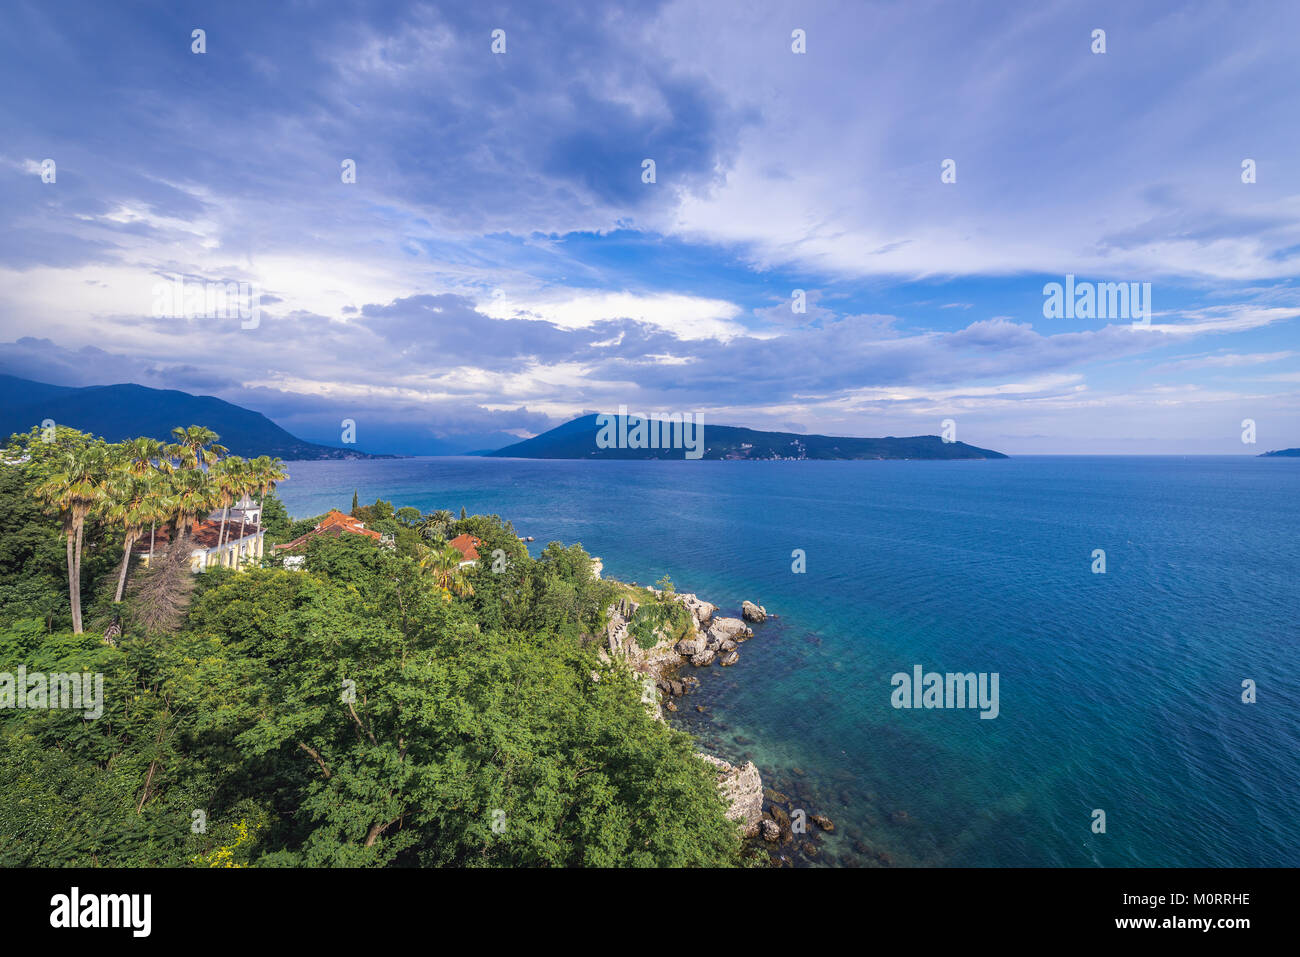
<point>786,829</point>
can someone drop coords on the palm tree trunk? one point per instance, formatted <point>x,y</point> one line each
<point>81,528</point>
<point>243,517</point>
<point>152,526</point>
<point>261,502</point>
<point>74,588</point>
<point>121,575</point>
<point>222,534</point>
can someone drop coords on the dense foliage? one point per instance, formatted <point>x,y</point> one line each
<point>658,616</point>
<point>363,711</point>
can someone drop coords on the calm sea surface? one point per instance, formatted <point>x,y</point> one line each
<point>1118,691</point>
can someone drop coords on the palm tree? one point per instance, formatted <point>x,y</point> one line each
<point>245,486</point>
<point>196,446</point>
<point>436,524</point>
<point>126,498</point>
<point>266,473</point>
<point>227,478</point>
<point>158,506</point>
<point>75,488</point>
<point>443,566</point>
<point>173,455</point>
<point>144,456</point>
<point>195,493</point>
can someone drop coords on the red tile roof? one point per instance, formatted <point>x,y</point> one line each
<point>203,534</point>
<point>467,545</point>
<point>334,524</point>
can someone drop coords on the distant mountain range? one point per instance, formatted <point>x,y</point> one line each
<point>116,412</point>
<point>577,439</point>
<point>1282,453</point>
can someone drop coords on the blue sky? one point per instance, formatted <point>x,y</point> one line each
<point>500,266</point>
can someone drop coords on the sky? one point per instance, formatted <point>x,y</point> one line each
<point>501,264</point>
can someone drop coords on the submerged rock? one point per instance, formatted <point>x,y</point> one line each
<point>822,821</point>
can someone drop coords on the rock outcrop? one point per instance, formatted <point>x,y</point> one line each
<point>709,637</point>
<point>742,789</point>
<point>751,612</point>
<point>724,629</point>
<point>691,646</point>
<point>702,611</point>
<point>656,661</point>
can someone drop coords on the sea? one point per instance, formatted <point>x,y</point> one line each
<point>1142,615</point>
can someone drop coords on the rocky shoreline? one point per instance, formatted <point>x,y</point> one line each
<point>766,817</point>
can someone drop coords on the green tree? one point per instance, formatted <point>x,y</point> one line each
<point>442,565</point>
<point>75,488</point>
<point>196,446</point>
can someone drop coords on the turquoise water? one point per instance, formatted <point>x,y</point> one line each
<point>1118,691</point>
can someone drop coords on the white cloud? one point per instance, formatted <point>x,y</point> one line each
<point>687,317</point>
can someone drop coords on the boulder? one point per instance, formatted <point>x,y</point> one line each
<point>726,644</point>
<point>733,629</point>
<point>692,646</point>
<point>742,789</point>
<point>822,821</point>
<point>751,612</point>
<point>728,627</point>
<point>703,611</point>
<point>703,658</point>
<point>730,658</point>
<point>771,831</point>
